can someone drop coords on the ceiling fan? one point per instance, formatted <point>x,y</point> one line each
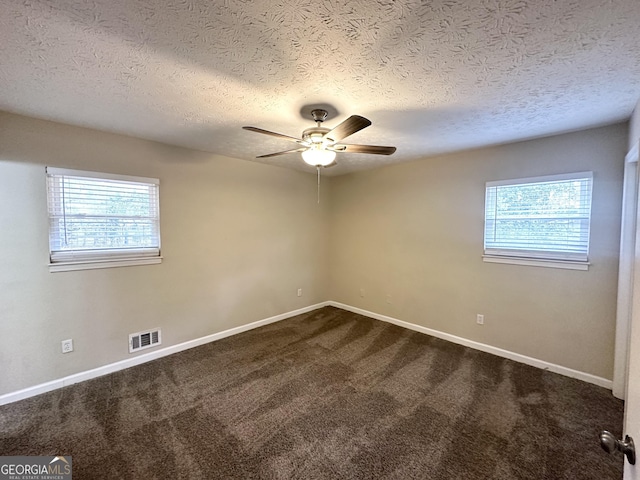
<point>319,145</point>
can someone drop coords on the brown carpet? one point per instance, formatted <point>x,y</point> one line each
<point>328,394</point>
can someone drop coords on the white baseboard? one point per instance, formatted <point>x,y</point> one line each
<point>534,362</point>
<point>146,357</point>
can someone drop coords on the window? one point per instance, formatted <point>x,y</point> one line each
<point>99,220</point>
<point>539,221</point>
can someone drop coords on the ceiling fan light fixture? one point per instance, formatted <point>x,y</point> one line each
<point>318,157</point>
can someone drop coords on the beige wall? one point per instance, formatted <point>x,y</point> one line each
<point>415,232</point>
<point>238,239</point>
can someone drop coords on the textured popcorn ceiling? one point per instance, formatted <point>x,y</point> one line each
<point>432,76</point>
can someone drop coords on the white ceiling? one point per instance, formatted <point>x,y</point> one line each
<point>433,76</point>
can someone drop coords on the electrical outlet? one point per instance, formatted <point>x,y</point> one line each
<point>67,346</point>
<point>362,292</point>
<point>388,298</point>
<point>299,292</point>
<point>480,319</point>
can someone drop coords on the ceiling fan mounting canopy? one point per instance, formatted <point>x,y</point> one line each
<point>319,145</point>
<point>319,115</point>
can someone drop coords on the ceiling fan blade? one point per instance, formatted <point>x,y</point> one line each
<point>351,125</point>
<point>302,149</point>
<point>273,134</point>
<point>374,149</point>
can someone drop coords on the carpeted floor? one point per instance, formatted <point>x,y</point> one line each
<point>324,395</point>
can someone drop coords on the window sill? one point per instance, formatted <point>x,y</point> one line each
<point>537,262</point>
<point>95,264</point>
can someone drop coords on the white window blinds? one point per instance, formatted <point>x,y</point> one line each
<point>543,217</point>
<point>102,217</point>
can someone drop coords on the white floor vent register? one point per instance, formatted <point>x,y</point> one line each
<point>142,340</point>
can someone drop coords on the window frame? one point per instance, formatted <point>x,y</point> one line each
<point>86,259</point>
<point>542,258</point>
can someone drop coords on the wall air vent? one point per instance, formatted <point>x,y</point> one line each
<point>142,340</point>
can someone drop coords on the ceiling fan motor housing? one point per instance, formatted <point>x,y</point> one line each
<point>314,135</point>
